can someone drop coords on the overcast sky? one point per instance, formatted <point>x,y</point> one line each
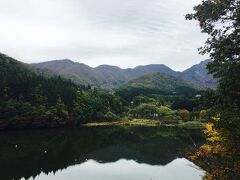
<point>125,33</point>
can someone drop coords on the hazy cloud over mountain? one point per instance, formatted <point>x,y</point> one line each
<point>118,32</point>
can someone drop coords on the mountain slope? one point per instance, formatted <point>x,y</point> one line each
<point>79,73</point>
<point>157,81</point>
<point>154,84</point>
<point>109,77</point>
<point>104,76</point>
<point>198,76</point>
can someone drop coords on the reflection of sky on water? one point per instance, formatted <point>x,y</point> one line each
<point>133,153</point>
<point>127,170</point>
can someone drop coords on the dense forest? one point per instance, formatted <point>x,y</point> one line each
<point>31,98</point>
<point>28,99</point>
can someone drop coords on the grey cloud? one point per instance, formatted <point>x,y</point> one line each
<point>118,32</point>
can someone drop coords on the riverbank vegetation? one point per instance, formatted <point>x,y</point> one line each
<point>32,98</point>
<point>147,123</point>
<point>220,156</point>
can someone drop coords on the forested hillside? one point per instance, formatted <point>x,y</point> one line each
<point>28,99</point>
<point>160,81</point>
<point>165,87</point>
<point>33,99</point>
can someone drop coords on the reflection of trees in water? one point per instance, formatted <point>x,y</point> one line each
<point>26,154</point>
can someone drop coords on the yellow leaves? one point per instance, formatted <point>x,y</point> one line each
<point>207,149</point>
<point>203,114</point>
<point>193,157</point>
<point>220,159</point>
<point>212,134</point>
<point>208,128</point>
<point>216,118</point>
<point>213,146</point>
<point>218,148</point>
<point>214,139</point>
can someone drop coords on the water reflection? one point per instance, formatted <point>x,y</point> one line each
<point>111,152</point>
<point>127,170</point>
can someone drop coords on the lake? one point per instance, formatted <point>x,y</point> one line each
<point>104,153</point>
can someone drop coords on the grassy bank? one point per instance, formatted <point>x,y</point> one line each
<point>147,122</point>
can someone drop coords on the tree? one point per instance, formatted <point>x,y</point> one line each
<point>144,111</point>
<point>185,115</point>
<point>165,111</point>
<point>62,111</point>
<point>38,96</point>
<point>109,116</point>
<point>220,19</point>
<point>203,114</point>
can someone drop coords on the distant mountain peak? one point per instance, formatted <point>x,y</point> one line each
<point>57,61</point>
<point>202,64</point>
<point>108,76</point>
<point>153,66</point>
<point>106,66</point>
<point>198,76</point>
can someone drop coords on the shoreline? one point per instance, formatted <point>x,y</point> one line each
<point>146,123</point>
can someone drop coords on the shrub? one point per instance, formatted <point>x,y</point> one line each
<point>165,111</point>
<point>109,116</point>
<point>144,111</point>
<point>185,115</point>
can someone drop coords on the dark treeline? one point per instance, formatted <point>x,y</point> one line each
<point>28,99</point>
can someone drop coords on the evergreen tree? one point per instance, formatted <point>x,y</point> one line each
<point>61,108</point>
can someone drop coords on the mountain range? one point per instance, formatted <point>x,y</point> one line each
<point>110,77</point>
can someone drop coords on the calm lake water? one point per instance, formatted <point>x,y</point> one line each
<point>99,153</point>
